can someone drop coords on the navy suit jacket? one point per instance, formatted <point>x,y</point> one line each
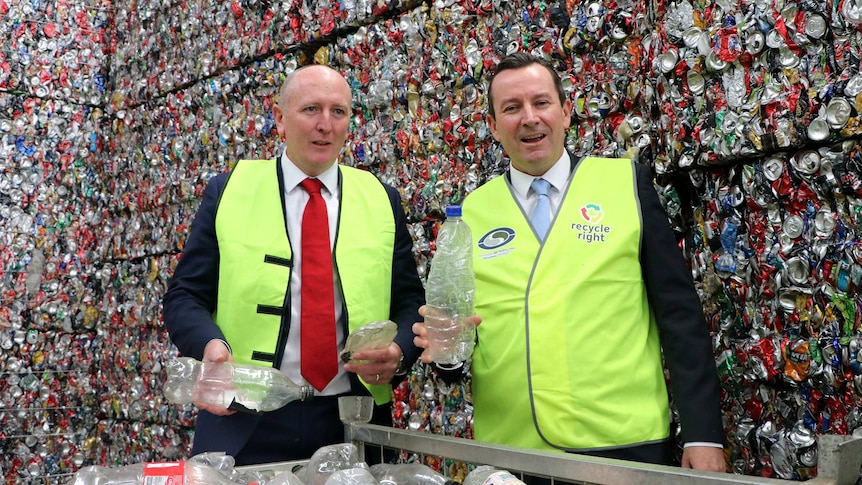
<point>685,340</point>
<point>191,298</point>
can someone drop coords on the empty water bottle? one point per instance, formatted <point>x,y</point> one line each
<point>408,474</point>
<point>229,385</point>
<point>488,475</point>
<point>351,476</point>
<point>328,460</point>
<point>449,292</point>
<point>285,477</point>
<point>180,473</point>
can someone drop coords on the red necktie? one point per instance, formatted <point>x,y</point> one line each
<point>319,352</point>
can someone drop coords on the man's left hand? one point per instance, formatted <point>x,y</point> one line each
<point>706,458</point>
<point>378,366</point>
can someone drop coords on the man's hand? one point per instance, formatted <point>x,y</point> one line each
<point>421,338</point>
<point>706,458</point>
<point>216,351</point>
<point>378,366</point>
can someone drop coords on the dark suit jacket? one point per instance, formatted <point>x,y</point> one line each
<point>684,334</point>
<point>191,299</point>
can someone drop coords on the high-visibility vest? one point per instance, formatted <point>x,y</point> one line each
<point>255,260</point>
<point>568,354</point>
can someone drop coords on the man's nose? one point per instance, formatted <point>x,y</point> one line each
<point>530,116</point>
<point>324,123</point>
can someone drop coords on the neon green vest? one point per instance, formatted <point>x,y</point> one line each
<point>255,260</point>
<point>567,341</point>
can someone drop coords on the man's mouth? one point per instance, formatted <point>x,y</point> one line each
<point>321,143</point>
<point>533,138</point>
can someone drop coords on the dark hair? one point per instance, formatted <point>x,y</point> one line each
<point>519,60</point>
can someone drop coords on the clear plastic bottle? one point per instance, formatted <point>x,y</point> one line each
<point>242,387</point>
<point>351,476</point>
<point>328,460</point>
<point>184,473</point>
<point>408,474</point>
<point>488,475</point>
<point>449,292</point>
<point>285,477</point>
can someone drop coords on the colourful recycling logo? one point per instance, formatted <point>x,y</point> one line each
<point>592,213</point>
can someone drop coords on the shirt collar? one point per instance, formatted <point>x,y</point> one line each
<point>293,176</point>
<point>557,175</point>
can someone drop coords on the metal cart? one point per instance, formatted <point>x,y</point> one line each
<point>839,463</point>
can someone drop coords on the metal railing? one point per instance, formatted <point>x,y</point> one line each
<point>839,460</point>
<point>839,463</point>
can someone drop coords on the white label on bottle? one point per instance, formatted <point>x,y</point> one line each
<point>171,473</point>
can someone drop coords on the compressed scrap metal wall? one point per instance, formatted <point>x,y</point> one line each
<point>113,115</point>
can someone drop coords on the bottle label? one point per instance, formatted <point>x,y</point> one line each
<point>171,473</point>
<point>502,478</point>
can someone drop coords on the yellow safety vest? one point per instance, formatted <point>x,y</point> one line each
<point>255,259</point>
<point>568,355</point>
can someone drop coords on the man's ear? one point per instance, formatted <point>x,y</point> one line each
<point>567,112</point>
<point>278,117</point>
<point>492,125</point>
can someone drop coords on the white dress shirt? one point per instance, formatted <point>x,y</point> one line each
<point>557,176</point>
<point>295,198</point>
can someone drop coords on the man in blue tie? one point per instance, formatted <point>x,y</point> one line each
<point>584,299</point>
<point>541,216</point>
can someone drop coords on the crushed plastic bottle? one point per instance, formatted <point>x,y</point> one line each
<point>286,477</point>
<point>371,336</point>
<point>449,292</point>
<point>408,474</point>
<point>351,476</point>
<point>247,388</point>
<point>328,460</point>
<point>185,473</point>
<point>488,475</point>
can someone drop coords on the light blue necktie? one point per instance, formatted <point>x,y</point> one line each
<point>541,218</point>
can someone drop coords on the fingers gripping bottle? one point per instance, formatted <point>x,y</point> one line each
<point>242,387</point>
<point>449,292</point>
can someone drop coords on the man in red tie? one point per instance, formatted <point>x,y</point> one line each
<point>284,259</point>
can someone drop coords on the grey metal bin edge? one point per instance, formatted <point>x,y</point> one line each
<point>281,466</point>
<point>840,459</point>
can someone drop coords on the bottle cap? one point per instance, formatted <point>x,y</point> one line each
<point>453,211</point>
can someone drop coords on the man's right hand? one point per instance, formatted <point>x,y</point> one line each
<point>216,351</point>
<point>421,338</point>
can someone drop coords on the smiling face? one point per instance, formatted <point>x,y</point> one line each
<point>312,117</point>
<point>529,120</point>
